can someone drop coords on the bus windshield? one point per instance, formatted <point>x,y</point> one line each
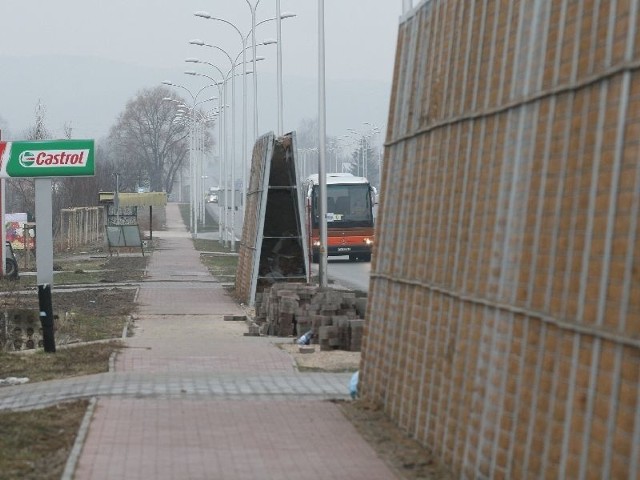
<point>347,206</point>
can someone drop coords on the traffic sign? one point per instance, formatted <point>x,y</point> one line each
<point>47,158</point>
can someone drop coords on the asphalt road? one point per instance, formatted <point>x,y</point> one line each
<point>341,271</point>
<point>352,275</point>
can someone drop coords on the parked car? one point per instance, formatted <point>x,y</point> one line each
<point>212,196</point>
<point>11,264</point>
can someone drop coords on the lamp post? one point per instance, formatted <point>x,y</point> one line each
<point>222,157</point>
<point>253,9</point>
<point>192,146</point>
<point>322,134</point>
<point>279,66</point>
<point>243,40</point>
<point>244,102</point>
<point>208,16</point>
<point>233,135</point>
<point>229,76</point>
<point>228,158</point>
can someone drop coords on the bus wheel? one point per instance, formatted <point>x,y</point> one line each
<point>11,268</point>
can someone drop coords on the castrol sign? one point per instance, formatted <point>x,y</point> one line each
<point>49,158</point>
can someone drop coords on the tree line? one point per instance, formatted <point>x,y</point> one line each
<point>148,146</point>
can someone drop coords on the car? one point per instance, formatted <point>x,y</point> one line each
<point>11,264</point>
<point>212,198</point>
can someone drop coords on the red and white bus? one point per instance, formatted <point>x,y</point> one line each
<point>350,202</point>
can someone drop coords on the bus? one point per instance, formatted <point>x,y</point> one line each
<point>350,202</point>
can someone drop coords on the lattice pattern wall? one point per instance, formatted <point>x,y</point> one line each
<point>504,310</point>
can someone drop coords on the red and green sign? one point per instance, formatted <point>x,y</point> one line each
<point>48,158</point>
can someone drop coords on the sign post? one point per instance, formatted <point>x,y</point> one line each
<point>43,160</point>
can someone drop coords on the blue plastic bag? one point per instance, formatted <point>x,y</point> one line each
<point>306,338</point>
<point>353,385</point>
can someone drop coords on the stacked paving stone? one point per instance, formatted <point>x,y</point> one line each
<point>335,317</point>
<point>20,329</point>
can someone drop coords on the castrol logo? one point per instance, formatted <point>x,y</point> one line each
<point>27,159</point>
<point>54,158</point>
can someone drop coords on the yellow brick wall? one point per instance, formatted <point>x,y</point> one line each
<point>503,325</point>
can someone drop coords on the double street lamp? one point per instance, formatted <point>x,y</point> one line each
<point>230,75</point>
<point>234,63</point>
<point>244,40</point>
<point>189,116</point>
<point>222,115</point>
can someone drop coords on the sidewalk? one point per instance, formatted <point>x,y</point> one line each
<point>193,398</point>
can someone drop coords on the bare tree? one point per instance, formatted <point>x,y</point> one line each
<point>21,193</point>
<point>4,129</point>
<point>150,146</point>
<point>307,133</point>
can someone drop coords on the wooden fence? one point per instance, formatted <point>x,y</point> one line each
<point>80,226</point>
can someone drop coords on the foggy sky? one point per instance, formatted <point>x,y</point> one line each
<point>360,34</point>
<point>360,37</point>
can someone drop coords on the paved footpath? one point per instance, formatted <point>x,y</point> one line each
<point>193,398</point>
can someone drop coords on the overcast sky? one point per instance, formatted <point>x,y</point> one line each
<point>360,35</point>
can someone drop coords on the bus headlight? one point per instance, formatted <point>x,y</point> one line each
<point>316,243</point>
<point>368,242</point>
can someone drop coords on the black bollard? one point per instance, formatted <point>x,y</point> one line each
<point>46,317</point>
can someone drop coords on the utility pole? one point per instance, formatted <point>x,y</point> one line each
<point>322,138</point>
<point>3,229</point>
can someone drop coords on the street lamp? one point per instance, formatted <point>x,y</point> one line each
<point>228,158</point>
<point>192,146</point>
<point>253,9</point>
<point>243,40</point>
<point>222,219</point>
<point>229,76</point>
<point>280,16</point>
<point>322,138</point>
<point>208,16</point>
<point>233,134</point>
<point>233,63</point>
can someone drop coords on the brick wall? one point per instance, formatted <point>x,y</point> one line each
<point>503,325</point>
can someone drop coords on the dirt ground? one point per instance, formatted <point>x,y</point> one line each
<point>109,299</point>
<point>405,456</point>
<point>328,361</point>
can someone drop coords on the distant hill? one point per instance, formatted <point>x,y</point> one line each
<point>89,93</point>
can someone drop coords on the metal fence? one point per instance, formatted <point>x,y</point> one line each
<point>503,325</point>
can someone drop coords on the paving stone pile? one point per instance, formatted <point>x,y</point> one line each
<point>335,317</point>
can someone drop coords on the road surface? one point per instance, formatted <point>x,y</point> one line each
<point>341,271</point>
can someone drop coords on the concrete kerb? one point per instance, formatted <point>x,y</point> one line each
<point>76,450</point>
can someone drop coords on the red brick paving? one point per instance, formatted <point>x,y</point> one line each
<point>180,330</point>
